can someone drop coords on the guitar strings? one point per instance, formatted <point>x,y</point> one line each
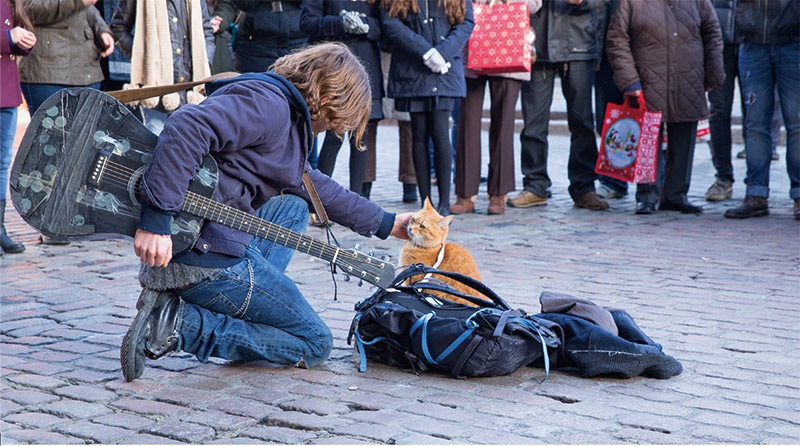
<point>117,174</point>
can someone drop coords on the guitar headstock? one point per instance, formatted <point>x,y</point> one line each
<point>364,267</point>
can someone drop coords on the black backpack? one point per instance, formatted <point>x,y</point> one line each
<point>406,326</point>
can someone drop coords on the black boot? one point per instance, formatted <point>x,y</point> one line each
<point>409,193</point>
<point>366,189</point>
<point>6,244</point>
<point>153,333</point>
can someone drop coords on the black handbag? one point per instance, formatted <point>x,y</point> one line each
<point>407,326</point>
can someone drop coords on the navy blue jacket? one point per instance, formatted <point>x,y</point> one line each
<point>321,21</point>
<point>257,128</point>
<point>413,37</point>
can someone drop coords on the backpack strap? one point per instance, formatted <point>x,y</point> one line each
<point>420,269</point>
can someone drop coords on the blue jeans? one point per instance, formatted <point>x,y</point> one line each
<point>763,68</point>
<point>577,79</point>
<point>36,94</point>
<point>8,128</point>
<point>252,310</point>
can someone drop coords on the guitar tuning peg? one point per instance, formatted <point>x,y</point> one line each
<point>360,282</point>
<point>357,247</point>
<point>371,253</point>
<point>346,278</point>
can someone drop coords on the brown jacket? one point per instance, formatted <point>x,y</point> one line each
<point>68,43</point>
<point>673,49</point>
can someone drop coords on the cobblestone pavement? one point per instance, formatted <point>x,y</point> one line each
<point>720,295</point>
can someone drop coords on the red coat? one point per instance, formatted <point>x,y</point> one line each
<point>10,94</point>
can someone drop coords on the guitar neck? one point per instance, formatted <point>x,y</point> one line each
<point>211,210</point>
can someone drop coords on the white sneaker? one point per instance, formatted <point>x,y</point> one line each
<point>606,191</point>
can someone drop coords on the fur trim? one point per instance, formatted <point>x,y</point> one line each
<point>171,101</point>
<point>193,97</point>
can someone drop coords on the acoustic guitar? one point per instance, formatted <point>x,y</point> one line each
<point>80,162</point>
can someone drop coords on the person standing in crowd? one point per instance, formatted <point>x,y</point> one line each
<point>269,29</point>
<point>223,14</point>
<point>721,100</point>
<point>405,168</point>
<point>73,37</point>
<point>504,91</point>
<point>357,25</point>
<point>16,39</point>
<point>426,78</point>
<point>229,296</point>
<point>671,53</point>
<point>168,42</point>
<point>567,45</point>
<point>769,58</point>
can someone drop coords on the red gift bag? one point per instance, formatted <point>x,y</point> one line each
<point>500,41</point>
<point>629,144</point>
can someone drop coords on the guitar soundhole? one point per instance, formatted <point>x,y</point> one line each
<point>133,184</point>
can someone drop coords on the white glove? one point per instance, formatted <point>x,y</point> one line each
<point>352,23</point>
<point>433,59</point>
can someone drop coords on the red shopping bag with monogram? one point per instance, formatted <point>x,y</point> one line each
<point>629,144</point>
<point>501,39</point>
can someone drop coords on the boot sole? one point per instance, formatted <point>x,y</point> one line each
<point>132,357</point>
<point>759,213</point>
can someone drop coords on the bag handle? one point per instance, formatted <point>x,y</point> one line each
<point>420,269</point>
<point>637,100</point>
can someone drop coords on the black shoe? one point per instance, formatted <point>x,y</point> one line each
<point>443,209</point>
<point>7,245</point>
<point>645,208</point>
<point>409,193</point>
<point>56,240</point>
<point>749,207</point>
<point>152,333</point>
<point>366,190</point>
<point>684,208</point>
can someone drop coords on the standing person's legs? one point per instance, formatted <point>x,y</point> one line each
<point>605,91</point>
<point>537,98</point>
<point>326,160</point>
<point>719,124</point>
<point>8,129</point>
<point>405,173</point>
<point>758,76</point>
<point>788,82</point>
<point>439,125</point>
<point>678,169</point>
<point>357,164</point>
<point>468,142</point>
<point>371,141</point>
<point>420,136</point>
<point>504,93</point>
<point>576,83</point>
<point>757,72</point>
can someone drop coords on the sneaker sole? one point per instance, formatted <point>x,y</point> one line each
<point>527,205</point>
<point>132,366</point>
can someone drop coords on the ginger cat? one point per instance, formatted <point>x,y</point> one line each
<point>427,231</point>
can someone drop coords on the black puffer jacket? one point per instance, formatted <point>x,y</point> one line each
<point>768,21</point>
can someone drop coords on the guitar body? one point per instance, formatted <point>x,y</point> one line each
<point>76,171</point>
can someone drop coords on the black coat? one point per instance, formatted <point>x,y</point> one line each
<point>321,21</point>
<point>265,35</point>
<point>413,37</point>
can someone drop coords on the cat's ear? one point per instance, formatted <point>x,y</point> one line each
<point>428,204</point>
<point>446,221</point>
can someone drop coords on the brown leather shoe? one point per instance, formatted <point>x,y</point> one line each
<point>590,200</point>
<point>497,205</point>
<point>750,207</point>
<point>462,206</point>
<point>526,199</point>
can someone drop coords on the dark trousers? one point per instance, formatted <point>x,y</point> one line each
<point>360,171</point>
<point>503,94</point>
<point>405,172</point>
<point>427,126</point>
<point>674,166</point>
<point>719,124</point>
<point>577,79</point>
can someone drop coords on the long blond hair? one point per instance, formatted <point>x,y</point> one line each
<point>454,9</point>
<point>333,83</point>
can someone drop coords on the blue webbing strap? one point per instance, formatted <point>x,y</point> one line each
<point>423,322</point>
<point>360,343</point>
<point>546,355</point>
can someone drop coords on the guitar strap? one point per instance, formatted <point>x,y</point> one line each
<point>322,216</point>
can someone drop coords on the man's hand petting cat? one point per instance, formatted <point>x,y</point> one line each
<point>400,229</point>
